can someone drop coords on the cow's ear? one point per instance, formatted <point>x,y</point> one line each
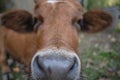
<point>95,21</point>
<point>18,20</point>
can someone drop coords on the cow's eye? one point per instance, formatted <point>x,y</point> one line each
<point>82,23</point>
<point>77,26</point>
<point>36,23</point>
<point>35,20</point>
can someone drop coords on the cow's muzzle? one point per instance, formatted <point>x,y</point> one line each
<point>55,64</point>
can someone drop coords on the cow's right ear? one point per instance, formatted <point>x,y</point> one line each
<point>18,20</point>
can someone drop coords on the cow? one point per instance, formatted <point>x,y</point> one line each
<point>46,42</point>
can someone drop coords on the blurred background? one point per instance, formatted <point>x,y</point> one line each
<point>100,53</point>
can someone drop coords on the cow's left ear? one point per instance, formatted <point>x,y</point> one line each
<point>95,21</point>
<point>18,20</point>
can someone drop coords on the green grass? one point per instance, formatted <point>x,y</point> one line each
<point>101,65</point>
<point>118,30</point>
<point>17,76</point>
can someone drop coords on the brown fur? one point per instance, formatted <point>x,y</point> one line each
<point>57,29</point>
<point>96,20</point>
<point>18,20</point>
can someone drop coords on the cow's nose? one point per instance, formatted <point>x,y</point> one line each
<point>55,67</point>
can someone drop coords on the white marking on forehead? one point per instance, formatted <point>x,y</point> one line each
<point>53,1</point>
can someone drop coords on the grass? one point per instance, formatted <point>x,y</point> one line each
<point>102,65</point>
<point>118,30</point>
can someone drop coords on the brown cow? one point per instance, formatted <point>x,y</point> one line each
<point>50,47</point>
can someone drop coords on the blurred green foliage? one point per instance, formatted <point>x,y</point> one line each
<point>5,5</point>
<point>96,4</point>
<point>92,4</point>
<point>2,5</point>
<point>118,30</point>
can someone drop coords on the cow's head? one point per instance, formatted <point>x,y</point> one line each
<point>61,21</point>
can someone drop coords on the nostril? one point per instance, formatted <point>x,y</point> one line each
<point>39,64</point>
<point>37,68</point>
<point>74,69</point>
<point>74,64</point>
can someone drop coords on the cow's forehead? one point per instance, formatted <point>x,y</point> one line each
<point>73,4</point>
